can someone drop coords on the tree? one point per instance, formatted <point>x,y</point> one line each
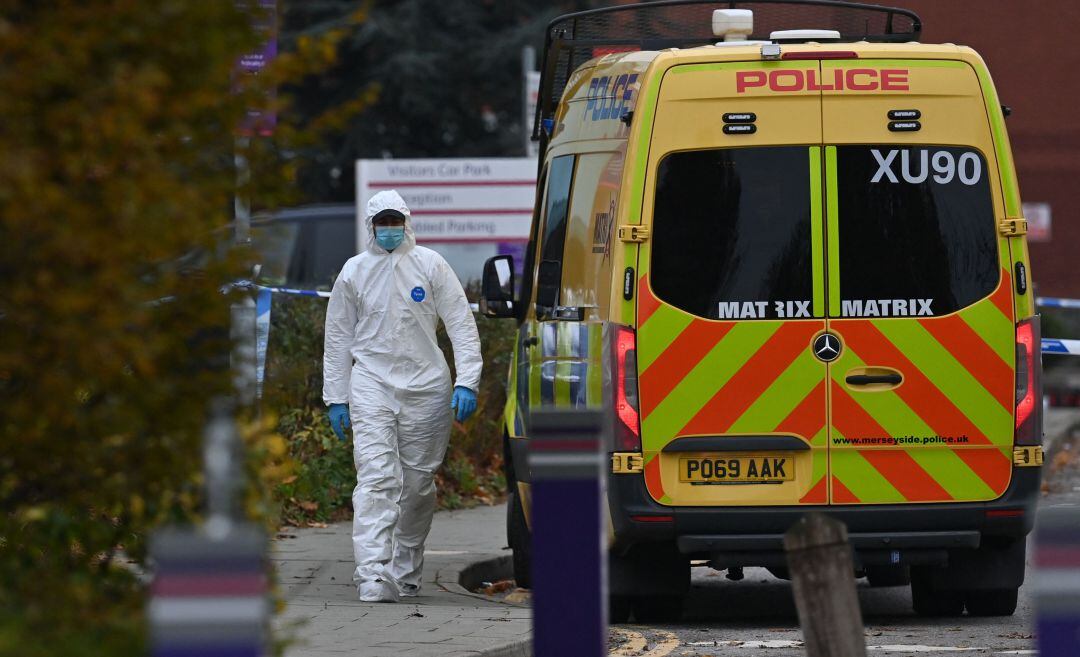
<point>449,74</point>
<point>117,130</point>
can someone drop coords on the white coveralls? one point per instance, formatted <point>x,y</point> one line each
<point>381,357</point>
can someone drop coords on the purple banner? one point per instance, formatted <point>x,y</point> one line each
<point>260,121</point>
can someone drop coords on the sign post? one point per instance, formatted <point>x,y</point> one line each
<point>569,551</point>
<point>531,79</point>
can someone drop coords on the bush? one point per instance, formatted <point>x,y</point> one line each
<point>321,487</point>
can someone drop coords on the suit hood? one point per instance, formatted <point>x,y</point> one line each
<point>388,200</point>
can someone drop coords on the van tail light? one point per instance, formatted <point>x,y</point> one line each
<point>1029,382</point>
<point>628,422</point>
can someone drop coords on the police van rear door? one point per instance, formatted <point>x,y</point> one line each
<point>732,399</point>
<point>919,291</point>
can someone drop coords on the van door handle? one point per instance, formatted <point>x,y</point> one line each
<point>530,341</point>
<point>870,379</point>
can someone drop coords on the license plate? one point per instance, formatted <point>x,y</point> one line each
<point>736,469</point>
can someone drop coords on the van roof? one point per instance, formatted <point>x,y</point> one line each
<point>576,38</point>
<point>636,68</point>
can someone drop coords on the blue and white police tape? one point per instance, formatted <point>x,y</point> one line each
<point>290,290</point>
<point>318,293</point>
<point>1057,302</point>
<point>1055,346</point>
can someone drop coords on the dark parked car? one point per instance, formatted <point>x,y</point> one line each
<point>305,247</point>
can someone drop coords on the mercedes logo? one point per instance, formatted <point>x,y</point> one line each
<point>827,347</point>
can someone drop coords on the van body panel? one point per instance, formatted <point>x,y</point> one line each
<point>946,432</point>
<point>701,372</point>
<point>560,363</point>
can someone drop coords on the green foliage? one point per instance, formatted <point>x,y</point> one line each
<point>321,487</point>
<point>323,478</point>
<point>117,137</point>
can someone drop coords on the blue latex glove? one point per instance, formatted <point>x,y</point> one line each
<point>339,419</point>
<point>464,402</point>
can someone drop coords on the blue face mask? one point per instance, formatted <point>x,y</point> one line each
<point>389,237</point>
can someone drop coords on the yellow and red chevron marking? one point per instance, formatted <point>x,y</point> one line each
<point>759,372</point>
<point>647,302</point>
<point>958,383</point>
<point>707,377</point>
<point>978,358</point>
<point>1002,298</point>
<point>808,420</point>
<point>684,353</point>
<point>895,465</point>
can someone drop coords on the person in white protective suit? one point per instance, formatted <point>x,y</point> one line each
<point>382,360</point>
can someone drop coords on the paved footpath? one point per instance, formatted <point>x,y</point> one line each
<point>323,616</point>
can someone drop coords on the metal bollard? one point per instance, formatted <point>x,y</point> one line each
<point>243,357</point>
<point>569,553</point>
<point>1057,582</point>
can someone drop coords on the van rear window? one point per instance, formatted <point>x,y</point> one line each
<point>731,233</point>
<point>916,230</point>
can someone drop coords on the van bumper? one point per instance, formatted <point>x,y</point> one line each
<point>735,536</point>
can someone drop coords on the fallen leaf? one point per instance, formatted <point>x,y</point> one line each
<point>498,587</point>
<point>518,596</point>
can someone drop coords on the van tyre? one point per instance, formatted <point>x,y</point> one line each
<point>995,602</point>
<point>619,608</point>
<point>657,608</point>
<point>929,601</point>
<point>517,535</point>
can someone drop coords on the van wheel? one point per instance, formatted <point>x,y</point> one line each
<point>657,608</point>
<point>619,607</point>
<point>881,576</point>
<point>927,601</point>
<point>995,602</point>
<point>517,535</point>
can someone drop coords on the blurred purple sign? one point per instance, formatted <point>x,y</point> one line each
<point>260,120</point>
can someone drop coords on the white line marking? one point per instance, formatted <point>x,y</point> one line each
<point>920,648</point>
<point>773,643</point>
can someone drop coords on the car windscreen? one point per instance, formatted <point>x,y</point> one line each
<point>322,250</point>
<point>305,254</point>
<point>914,234</point>
<point>274,242</point>
<point>731,232</point>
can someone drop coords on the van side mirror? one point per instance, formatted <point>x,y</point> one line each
<point>497,287</point>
